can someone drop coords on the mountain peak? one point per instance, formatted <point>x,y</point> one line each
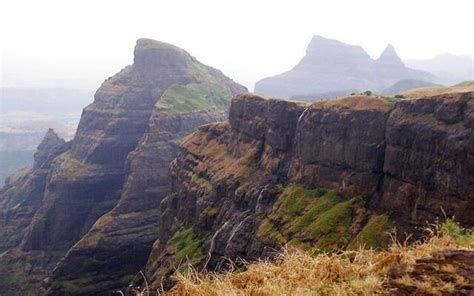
<point>51,137</point>
<point>150,44</point>
<point>321,44</point>
<point>151,53</point>
<point>50,140</point>
<point>390,57</point>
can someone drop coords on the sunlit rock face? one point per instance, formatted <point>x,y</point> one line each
<point>332,66</point>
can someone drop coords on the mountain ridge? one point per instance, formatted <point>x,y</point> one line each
<point>331,65</point>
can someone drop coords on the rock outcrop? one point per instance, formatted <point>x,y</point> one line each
<point>117,165</point>
<point>21,197</point>
<point>429,159</point>
<point>23,192</point>
<point>327,175</point>
<point>332,66</point>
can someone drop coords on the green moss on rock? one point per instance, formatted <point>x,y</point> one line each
<point>187,246</point>
<point>194,97</point>
<point>373,234</point>
<point>310,218</point>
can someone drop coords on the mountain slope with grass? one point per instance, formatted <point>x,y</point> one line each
<point>442,264</point>
<point>332,175</point>
<point>115,169</point>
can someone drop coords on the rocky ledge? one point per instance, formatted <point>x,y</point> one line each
<point>337,174</point>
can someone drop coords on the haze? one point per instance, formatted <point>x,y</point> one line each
<point>79,44</point>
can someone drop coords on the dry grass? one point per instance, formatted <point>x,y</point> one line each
<point>358,102</point>
<point>362,272</point>
<point>433,91</point>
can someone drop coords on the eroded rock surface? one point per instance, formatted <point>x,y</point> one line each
<point>145,109</point>
<point>321,176</point>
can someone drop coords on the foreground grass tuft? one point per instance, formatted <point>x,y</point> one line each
<point>359,272</point>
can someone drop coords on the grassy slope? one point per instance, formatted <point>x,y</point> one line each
<point>211,92</point>
<point>360,272</point>
<point>466,86</point>
<point>319,220</point>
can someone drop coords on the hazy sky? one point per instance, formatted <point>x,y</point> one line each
<point>80,43</point>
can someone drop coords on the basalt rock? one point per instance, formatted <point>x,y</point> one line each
<point>19,200</point>
<point>429,159</point>
<point>337,174</point>
<point>117,165</point>
<point>198,95</point>
<point>23,191</point>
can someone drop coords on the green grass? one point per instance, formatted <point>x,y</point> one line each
<point>187,246</point>
<point>203,183</point>
<point>193,97</point>
<point>330,229</point>
<point>312,218</point>
<point>461,235</point>
<point>317,219</point>
<point>374,234</point>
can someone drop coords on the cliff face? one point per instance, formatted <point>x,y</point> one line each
<point>125,140</point>
<point>21,197</point>
<point>429,160</point>
<point>23,192</point>
<point>194,94</point>
<point>327,175</point>
<point>332,66</point>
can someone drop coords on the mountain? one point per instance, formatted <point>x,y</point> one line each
<point>156,179</point>
<point>330,65</point>
<point>407,84</point>
<point>117,164</point>
<point>330,175</point>
<point>450,69</point>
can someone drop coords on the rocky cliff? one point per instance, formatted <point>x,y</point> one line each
<point>23,191</point>
<point>322,176</point>
<point>332,66</point>
<point>117,164</point>
<point>21,197</point>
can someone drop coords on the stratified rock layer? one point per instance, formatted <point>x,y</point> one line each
<point>145,109</point>
<point>327,175</point>
<point>198,95</point>
<point>429,159</point>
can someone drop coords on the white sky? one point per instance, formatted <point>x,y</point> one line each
<point>80,43</point>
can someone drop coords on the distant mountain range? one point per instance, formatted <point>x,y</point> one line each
<point>330,66</point>
<point>450,69</point>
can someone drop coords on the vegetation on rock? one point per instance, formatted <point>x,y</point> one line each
<point>445,266</point>
<point>320,220</point>
<point>195,97</point>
